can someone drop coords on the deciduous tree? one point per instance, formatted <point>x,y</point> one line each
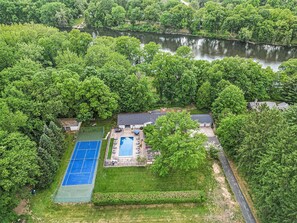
<point>230,100</point>
<point>179,150</point>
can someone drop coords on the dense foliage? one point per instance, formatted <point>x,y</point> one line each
<point>46,74</point>
<point>152,197</point>
<point>59,13</point>
<point>263,143</point>
<point>259,21</point>
<point>180,150</point>
<point>254,20</point>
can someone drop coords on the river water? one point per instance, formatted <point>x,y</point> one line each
<point>211,49</point>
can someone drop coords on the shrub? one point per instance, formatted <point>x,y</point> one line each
<point>152,197</point>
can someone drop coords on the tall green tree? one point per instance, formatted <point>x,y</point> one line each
<point>55,14</point>
<point>149,51</point>
<point>267,160</point>
<point>11,121</point>
<point>289,89</point>
<point>129,47</point>
<point>95,100</point>
<point>18,168</point>
<point>179,150</point>
<point>135,96</point>
<point>118,15</point>
<point>230,101</point>
<point>203,99</point>
<point>230,133</point>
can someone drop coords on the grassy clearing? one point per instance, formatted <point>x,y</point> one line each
<point>138,179</point>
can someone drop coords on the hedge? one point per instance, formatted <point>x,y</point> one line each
<point>152,197</point>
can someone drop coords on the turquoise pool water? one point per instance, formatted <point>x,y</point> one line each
<point>126,146</point>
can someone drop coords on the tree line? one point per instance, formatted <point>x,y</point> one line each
<point>46,74</point>
<point>271,21</point>
<point>263,145</point>
<point>258,21</point>
<point>59,13</point>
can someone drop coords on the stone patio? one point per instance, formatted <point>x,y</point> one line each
<point>139,156</point>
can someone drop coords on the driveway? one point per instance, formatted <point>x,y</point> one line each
<point>244,206</point>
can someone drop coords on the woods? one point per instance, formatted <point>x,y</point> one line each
<point>263,144</point>
<point>271,22</point>
<point>46,74</point>
<point>258,21</point>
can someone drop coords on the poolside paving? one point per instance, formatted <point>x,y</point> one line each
<point>138,142</point>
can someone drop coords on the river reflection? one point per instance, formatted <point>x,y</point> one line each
<point>211,49</point>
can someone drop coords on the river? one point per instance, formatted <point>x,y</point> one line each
<point>211,49</point>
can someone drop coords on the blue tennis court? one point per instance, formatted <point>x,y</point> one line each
<point>82,166</point>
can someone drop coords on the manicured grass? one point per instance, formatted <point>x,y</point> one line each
<point>110,148</point>
<point>137,179</point>
<point>44,210</point>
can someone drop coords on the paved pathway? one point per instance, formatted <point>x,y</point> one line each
<point>246,211</point>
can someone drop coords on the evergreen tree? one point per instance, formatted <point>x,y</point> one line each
<point>46,143</point>
<point>58,138</point>
<point>48,167</point>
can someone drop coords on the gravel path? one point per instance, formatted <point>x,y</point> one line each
<point>246,211</point>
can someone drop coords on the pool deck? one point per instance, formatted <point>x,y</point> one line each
<point>139,149</point>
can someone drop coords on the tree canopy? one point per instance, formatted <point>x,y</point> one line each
<point>179,149</point>
<point>263,144</point>
<point>46,74</point>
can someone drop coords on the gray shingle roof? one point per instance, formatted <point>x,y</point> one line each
<point>138,118</point>
<point>202,118</point>
<point>141,118</point>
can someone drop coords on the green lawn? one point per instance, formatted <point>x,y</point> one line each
<point>130,179</point>
<point>137,179</point>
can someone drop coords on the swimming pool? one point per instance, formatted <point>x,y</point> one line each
<point>126,146</point>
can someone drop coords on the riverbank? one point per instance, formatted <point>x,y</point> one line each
<point>156,28</point>
<point>207,48</point>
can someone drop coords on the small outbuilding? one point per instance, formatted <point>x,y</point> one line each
<point>70,124</point>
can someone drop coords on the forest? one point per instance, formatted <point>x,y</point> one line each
<point>47,74</point>
<point>254,20</point>
<point>260,21</point>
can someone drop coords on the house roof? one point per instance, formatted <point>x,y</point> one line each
<point>146,117</point>
<point>283,105</point>
<point>202,118</point>
<point>270,104</point>
<point>138,118</point>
